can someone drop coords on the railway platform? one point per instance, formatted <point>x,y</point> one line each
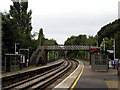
<point>85,78</point>
<point>30,68</point>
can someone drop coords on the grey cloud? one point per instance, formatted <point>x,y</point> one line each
<point>61,27</point>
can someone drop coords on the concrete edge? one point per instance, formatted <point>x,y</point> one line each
<point>68,81</point>
<point>30,69</point>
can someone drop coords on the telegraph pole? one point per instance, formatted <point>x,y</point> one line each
<point>114,53</point>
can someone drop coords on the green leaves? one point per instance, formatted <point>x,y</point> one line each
<point>109,31</point>
<point>80,40</point>
<point>17,27</point>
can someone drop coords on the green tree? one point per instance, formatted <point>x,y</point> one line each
<point>80,40</point>
<point>7,33</point>
<point>41,37</point>
<point>117,39</point>
<point>50,42</point>
<point>21,23</point>
<point>109,31</point>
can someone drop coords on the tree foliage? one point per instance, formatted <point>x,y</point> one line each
<point>110,31</point>
<point>41,37</point>
<point>16,27</point>
<point>80,40</point>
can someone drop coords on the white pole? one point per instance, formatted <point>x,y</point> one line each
<point>104,46</point>
<point>28,55</point>
<point>114,49</point>
<point>48,55</point>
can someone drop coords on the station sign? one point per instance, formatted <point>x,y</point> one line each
<point>94,48</point>
<point>110,51</point>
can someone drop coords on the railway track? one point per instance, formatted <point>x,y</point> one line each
<point>43,80</point>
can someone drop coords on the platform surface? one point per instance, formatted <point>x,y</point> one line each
<point>88,79</point>
<point>30,68</point>
<point>95,80</point>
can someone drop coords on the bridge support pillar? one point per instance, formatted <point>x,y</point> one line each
<point>48,56</point>
<point>45,57</point>
<point>90,55</point>
<point>65,53</point>
<point>90,58</point>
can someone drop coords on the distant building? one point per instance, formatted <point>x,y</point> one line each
<point>119,10</point>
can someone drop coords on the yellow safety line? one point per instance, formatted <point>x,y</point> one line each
<point>78,77</point>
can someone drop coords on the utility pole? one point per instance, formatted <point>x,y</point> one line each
<point>114,53</point>
<point>15,46</point>
<point>104,43</point>
<point>114,49</point>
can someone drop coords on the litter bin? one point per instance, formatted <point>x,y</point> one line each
<point>112,62</point>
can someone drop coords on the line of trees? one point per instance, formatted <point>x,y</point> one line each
<point>106,35</point>
<point>16,28</point>
<point>80,40</point>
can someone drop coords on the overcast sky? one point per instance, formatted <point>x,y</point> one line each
<point>61,19</point>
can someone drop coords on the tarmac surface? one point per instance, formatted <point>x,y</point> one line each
<point>95,80</point>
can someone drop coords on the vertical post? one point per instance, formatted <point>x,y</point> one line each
<point>118,68</point>
<point>90,58</point>
<point>5,63</point>
<point>57,55</point>
<point>108,63</point>
<point>48,56</point>
<point>104,46</point>
<point>65,53</point>
<point>53,55</point>
<point>114,53</point>
<point>90,55</point>
<point>28,58</point>
<point>15,48</point>
<point>45,57</point>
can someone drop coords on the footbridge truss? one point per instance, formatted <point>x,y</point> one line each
<point>68,47</point>
<point>37,54</point>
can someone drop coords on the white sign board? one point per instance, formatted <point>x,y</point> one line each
<point>110,51</point>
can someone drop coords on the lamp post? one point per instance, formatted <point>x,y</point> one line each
<point>104,43</point>
<point>28,58</point>
<point>114,52</point>
<point>15,46</point>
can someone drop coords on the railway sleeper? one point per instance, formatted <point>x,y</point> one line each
<point>37,80</point>
<point>24,81</point>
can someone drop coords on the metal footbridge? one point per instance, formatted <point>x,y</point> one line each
<point>36,56</point>
<point>67,47</point>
